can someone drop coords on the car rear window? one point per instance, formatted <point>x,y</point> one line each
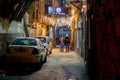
<point>30,42</point>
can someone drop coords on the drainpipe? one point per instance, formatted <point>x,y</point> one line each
<point>25,27</point>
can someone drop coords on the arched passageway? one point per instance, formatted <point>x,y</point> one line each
<point>61,32</point>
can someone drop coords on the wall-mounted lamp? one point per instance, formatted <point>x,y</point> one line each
<point>80,23</point>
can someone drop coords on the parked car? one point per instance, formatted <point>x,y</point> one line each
<point>46,42</point>
<point>26,50</point>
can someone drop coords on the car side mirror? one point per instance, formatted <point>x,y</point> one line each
<point>44,46</point>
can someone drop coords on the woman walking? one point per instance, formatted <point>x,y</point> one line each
<point>62,44</point>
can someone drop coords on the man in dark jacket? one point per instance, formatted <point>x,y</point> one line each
<point>67,42</point>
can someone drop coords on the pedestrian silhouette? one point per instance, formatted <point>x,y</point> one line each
<point>67,42</point>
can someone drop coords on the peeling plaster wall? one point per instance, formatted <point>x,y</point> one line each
<point>1,28</point>
<point>44,31</point>
<point>4,24</point>
<point>39,30</point>
<point>16,27</point>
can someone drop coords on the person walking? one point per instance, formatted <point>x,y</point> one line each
<point>62,44</point>
<point>50,47</point>
<point>67,42</point>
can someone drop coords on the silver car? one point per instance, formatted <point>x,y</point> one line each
<point>26,50</point>
<point>46,42</point>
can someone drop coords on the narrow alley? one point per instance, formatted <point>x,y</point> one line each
<point>59,66</point>
<point>92,31</point>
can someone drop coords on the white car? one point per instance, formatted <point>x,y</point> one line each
<point>26,50</point>
<point>46,42</point>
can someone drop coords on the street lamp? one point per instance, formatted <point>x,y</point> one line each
<point>79,23</point>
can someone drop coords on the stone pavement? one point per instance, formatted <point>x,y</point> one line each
<point>73,64</point>
<point>59,66</point>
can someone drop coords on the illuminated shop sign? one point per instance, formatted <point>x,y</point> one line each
<point>57,10</point>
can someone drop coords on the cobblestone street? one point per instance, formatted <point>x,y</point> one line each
<point>59,66</point>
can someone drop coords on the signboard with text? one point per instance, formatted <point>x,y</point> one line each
<point>57,10</point>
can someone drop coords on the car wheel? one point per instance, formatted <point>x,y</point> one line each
<point>45,60</point>
<point>41,59</point>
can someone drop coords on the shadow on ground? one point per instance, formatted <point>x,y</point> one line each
<point>15,69</point>
<point>76,71</point>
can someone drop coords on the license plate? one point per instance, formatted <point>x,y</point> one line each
<point>20,50</point>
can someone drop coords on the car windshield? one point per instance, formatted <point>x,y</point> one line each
<point>30,42</point>
<point>42,39</point>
